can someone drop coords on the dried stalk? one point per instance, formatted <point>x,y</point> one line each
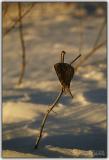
<point>95,46</point>
<point>46,116</point>
<point>62,56</point>
<point>19,19</point>
<point>5,8</point>
<point>99,33</point>
<point>81,39</point>
<point>75,59</point>
<point>89,54</point>
<point>22,44</point>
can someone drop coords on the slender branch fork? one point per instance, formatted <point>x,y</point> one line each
<point>22,16</point>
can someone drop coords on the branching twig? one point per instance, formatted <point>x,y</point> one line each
<point>95,46</point>
<point>22,44</point>
<point>99,33</point>
<point>46,116</point>
<point>89,54</point>
<point>19,19</point>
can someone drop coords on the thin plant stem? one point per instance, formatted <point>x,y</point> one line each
<point>46,116</point>
<point>89,54</point>
<point>6,7</point>
<point>22,45</point>
<point>81,36</point>
<point>70,93</point>
<point>99,33</point>
<point>19,19</point>
<point>62,56</point>
<point>95,46</point>
<point>75,59</point>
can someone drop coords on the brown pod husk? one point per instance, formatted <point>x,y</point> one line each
<point>65,74</point>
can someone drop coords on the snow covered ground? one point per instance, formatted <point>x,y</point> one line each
<point>79,127</point>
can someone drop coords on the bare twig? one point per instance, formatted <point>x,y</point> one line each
<point>95,46</point>
<point>46,116</point>
<point>19,19</point>
<point>89,54</point>
<point>81,36</point>
<point>5,8</point>
<point>70,92</point>
<point>22,44</point>
<point>75,59</point>
<point>99,33</point>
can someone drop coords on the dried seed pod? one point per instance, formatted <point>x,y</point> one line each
<point>65,74</point>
